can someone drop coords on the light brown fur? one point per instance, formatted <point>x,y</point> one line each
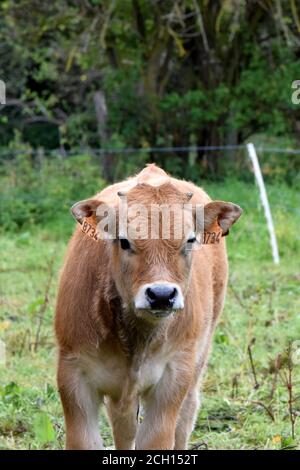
<point>109,354</point>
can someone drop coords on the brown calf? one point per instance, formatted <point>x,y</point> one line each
<point>135,318</point>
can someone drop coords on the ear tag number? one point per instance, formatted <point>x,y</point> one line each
<point>212,238</point>
<point>89,230</point>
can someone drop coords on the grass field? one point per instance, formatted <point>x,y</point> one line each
<point>251,393</point>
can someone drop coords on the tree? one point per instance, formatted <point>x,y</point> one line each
<point>144,73</point>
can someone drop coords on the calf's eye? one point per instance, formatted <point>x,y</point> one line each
<point>187,247</point>
<point>125,245</point>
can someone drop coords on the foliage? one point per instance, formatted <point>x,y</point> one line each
<point>37,189</point>
<point>43,429</point>
<point>168,73</point>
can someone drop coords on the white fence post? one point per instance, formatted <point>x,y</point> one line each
<point>264,200</point>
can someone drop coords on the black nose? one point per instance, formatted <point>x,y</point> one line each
<point>161,296</point>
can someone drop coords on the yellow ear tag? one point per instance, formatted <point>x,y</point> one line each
<point>213,236</point>
<point>88,227</point>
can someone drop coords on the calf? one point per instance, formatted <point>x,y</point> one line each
<point>135,315</point>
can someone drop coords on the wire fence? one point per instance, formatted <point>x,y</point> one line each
<point>220,152</point>
<point>128,150</point>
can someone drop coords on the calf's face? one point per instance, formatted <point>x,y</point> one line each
<point>151,261</point>
<point>152,275</point>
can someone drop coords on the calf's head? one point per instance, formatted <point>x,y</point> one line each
<point>151,237</point>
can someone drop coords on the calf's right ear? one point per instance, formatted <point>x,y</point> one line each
<point>86,208</point>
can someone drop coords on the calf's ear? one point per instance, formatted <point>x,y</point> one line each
<point>224,214</point>
<point>85,208</point>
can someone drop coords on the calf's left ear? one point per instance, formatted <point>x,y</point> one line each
<point>86,208</point>
<point>225,214</point>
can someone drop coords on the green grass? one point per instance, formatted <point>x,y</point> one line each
<point>263,305</point>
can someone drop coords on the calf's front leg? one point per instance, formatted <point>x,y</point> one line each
<point>123,416</point>
<point>81,406</point>
<point>187,418</point>
<point>162,407</point>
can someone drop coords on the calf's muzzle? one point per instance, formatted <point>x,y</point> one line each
<point>161,296</point>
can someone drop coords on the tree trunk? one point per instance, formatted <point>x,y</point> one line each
<point>107,159</point>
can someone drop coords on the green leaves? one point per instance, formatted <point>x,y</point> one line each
<point>29,413</point>
<point>43,429</point>
<point>11,394</point>
<point>35,306</point>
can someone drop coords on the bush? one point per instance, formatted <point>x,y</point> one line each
<point>35,191</point>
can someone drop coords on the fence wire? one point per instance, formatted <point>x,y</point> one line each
<point>62,153</point>
<point>128,150</point>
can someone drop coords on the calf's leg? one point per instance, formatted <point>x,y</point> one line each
<point>162,407</point>
<point>81,406</point>
<point>186,421</point>
<point>191,403</point>
<point>123,417</point>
